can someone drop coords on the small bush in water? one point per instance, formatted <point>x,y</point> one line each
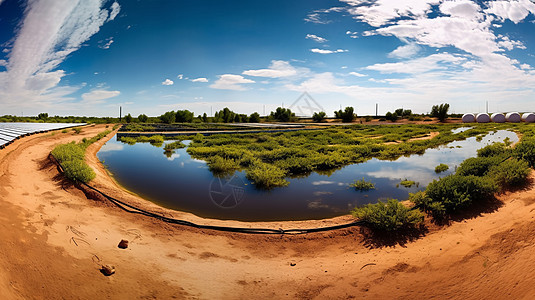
<point>407,183</point>
<point>441,168</point>
<point>388,216</point>
<point>363,185</point>
<point>266,176</point>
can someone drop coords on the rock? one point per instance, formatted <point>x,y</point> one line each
<point>292,264</point>
<point>123,244</point>
<point>107,270</point>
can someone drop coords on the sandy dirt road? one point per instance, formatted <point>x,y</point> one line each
<point>53,240</point>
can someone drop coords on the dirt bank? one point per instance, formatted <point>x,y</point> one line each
<point>54,240</point>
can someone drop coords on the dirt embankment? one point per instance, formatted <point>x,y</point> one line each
<point>54,240</point>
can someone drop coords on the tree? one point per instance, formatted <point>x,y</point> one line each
<point>42,116</point>
<point>254,118</point>
<point>347,115</point>
<point>128,118</point>
<point>184,116</point>
<point>283,115</point>
<point>399,112</point>
<point>168,117</point>
<point>391,116</point>
<point>142,118</point>
<point>440,111</point>
<point>204,118</point>
<point>319,116</point>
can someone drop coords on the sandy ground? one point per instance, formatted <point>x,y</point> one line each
<point>54,239</point>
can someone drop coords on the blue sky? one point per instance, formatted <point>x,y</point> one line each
<point>88,57</point>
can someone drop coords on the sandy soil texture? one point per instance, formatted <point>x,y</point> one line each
<point>54,239</point>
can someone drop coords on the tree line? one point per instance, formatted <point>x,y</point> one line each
<point>228,116</point>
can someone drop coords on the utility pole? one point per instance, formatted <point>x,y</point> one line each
<point>376,109</point>
<point>211,114</point>
<point>487,107</point>
<point>120,113</point>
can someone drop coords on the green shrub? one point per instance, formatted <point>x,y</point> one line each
<point>496,149</point>
<point>222,166</point>
<point>454,192</point>
<point>526,150</point>
<point>363,185</point>
<point>388,216</point>
<point>478,166</point>
<point>77,130</point>
<point>510,173</point>
<point>441,168</point>
<point>71,158</point>
<point>266,176</point>
<point>78,170</point>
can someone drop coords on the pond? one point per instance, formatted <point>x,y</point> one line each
<point>181,183</point>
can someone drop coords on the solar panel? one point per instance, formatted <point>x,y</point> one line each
<point>12,131</point>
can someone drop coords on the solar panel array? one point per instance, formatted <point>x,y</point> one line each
<point>12,131</point>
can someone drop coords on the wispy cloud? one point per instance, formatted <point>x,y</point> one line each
<point>230,82</point>
<point>200,79</point>
<point>277,69</point>
<point>326,51</point>
<point>316,38</point>
<point>105,44</point>
<point>98,95</point>
<point>49,32</point>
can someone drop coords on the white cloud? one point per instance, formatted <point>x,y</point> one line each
<point>515,11</point>
<point>277,69</point>
<point>433,62</point>
<point>180,76</point>
<point>325,51</point>
<point>381,12</point>
<point>353,34</point>
<point>357,74</point>
<point>3,63</point>
<point>230,82</point>
<point>316,38</point>
<point>465,9</point>
<point>115,9</point>
<point>48,33</point>
<point>200,79</point>
<point>97,95</point>
<point>405,51</point>
<point>168,82</point>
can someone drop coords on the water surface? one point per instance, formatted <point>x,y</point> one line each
<point>182,183</point>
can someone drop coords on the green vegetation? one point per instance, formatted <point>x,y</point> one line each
<point>363,185</point>
<point>170,148</point>
<point>319,116</point>
<point>283,115</point>
<point>440,111</point>
<point>298,153</point>
<point>388,216</point>
<point>347,115</point>
<point>453,193</point>
<point>393,117</point>
<point>266,176</point>
<point>441,168</point>
<point>71,158</point>
<point>156,140</point>
<point>77,130</point>
<point>407,183</point>
<point>476,179</point>
<point>128,118</point>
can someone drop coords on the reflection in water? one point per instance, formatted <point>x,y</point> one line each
<point>186,184</point>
